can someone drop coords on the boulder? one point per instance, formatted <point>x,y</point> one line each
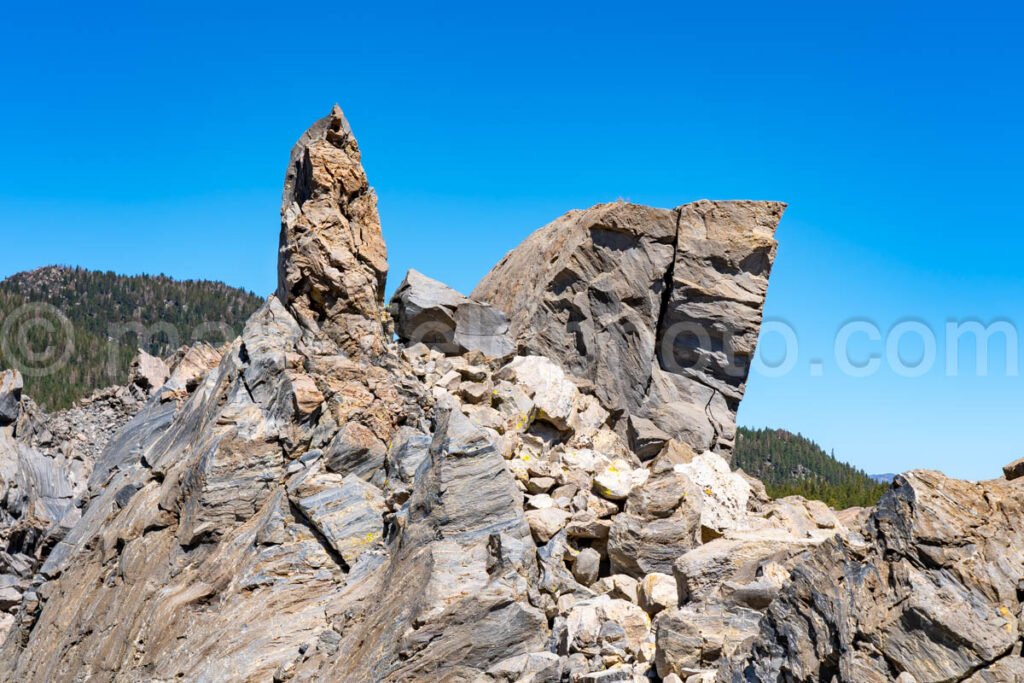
<point>540,501</point>
<point>427,311</point>
<point>662,493</point>
<point>546,522</point>
<point>726,494</point>
<point>554,396</point>
<point>619,586</point>
<point>661,521</point>
<point>533,667</point>
<point>587,566</point>
<point>540,484</point>
<point>586,524</point>
<point>638,545</point>
<point>645,438</point>
<point>482,327</point>
<point>695,637</point>
<point>802,518</point>
<point>617,479</point>
<point>11,385</point>
<point>658,308</point>
<point>423,310</point>
<point>734,567</point>
<point>1014,470</point>
<point>657,592</point>
<point>586,625</point>
<point>148,372</point>
<point>583,460</point>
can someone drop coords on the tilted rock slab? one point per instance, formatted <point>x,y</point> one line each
<point>450,599</point>
<point>658,308</point>
<point>47,462</point>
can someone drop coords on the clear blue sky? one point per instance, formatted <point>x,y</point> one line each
<point>146,138</point>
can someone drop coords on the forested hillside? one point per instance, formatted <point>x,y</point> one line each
<point>71,331</point>
<point>791,464</point>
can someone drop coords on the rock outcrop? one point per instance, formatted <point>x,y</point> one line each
<point>47,464</point>
<point>658,308</point>
<point>197,524</point>
<point>931,591</point>
<point>333,260</point>
<point>148,372</point>
<point>319,502</point>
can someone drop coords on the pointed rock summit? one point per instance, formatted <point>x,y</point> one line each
<point>332,264</point>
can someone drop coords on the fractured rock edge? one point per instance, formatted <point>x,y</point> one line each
<point>658,308</point>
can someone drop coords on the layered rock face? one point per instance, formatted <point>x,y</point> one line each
<point>659,309</point>
<point>535,498</point>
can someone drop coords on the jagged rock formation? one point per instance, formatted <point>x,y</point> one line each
<point>931,591</point>
<point>333,261</point>
<point>318,502</point>
<point>148,372</point>
<point>45,465</point>
<point>658,308</point>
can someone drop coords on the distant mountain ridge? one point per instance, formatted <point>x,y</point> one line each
<point>792,464</point>
<point>106,317</point>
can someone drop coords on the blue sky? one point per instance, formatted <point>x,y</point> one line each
<point>142,138</point>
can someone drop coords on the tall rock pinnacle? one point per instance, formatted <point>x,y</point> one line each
<point>332,263</point>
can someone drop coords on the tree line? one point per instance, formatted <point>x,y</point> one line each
<point>791,464</point>
<point>103,318</point>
